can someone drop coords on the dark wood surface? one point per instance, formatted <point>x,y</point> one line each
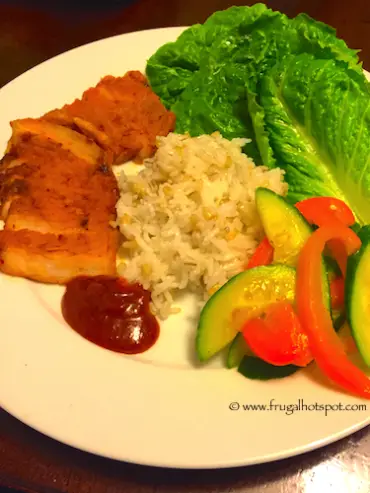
<point>33,31</point>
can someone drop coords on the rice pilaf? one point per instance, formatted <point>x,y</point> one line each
<point>188,219</point>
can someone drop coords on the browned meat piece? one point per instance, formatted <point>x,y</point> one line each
<point>51,258</point>
<point>42,131</point>
<point>57,189</point>
<point>121,114</point>
<point>57,201</point>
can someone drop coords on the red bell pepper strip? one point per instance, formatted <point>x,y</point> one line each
<point>339,253</point>
<point>337,292</point>
<point>349,344</point>
<point>323,210</point>
<point>329,211</point>
<point>326,346</point>
<point>278,337</point>
<point>263,254</point>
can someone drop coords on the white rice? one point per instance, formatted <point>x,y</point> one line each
<point>188,219</point>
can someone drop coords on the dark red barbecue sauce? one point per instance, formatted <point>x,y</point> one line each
<point>111,313</point>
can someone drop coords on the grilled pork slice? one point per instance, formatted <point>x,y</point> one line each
<point>44,132</point>
<point>57,201</point>
<point>52,258</point>
<point>121,114</point>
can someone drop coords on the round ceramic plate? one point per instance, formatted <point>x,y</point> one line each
<point>160,408</point>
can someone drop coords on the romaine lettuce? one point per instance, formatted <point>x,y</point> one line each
<point>317,116</point>
<point>202,76</point>
<point>172,67</point>
<point>290,85</point>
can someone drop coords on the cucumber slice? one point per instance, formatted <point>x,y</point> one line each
<point>245,295</point>
<point>257,369</point>
<point>237,350</point>
<point>287,231</point>
<point>357,295</point>
<point>285,227</point>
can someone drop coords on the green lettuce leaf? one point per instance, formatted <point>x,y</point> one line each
<point>321,40</point>
<point>289,85</point>
<point>305,35</point>
<point>210,76</point>
<point>202,76</point>
<point>172,67</point>
<point>257,116</point>
<point>317,116</point>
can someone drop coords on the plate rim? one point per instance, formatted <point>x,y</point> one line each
<point>233,464</point>
<point>89,44</point>
<point>239,463</point>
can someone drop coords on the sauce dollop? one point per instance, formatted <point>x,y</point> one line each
<point>111,313</point>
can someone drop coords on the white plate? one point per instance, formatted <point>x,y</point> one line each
<point>158,408</point>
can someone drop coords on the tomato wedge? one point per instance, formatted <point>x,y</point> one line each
<point>278,337</point>
<point>263,254</point>
<point>326,346</point>
<point>322,211</point>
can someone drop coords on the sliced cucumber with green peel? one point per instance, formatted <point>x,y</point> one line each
<point>357,295</point>
<point>237,350</point>
<point>257,369</point>
<point>285,227</point>
<point>244,296</point>
<point>287,231</point>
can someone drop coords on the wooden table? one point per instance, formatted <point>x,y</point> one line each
<point>32,462</point>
